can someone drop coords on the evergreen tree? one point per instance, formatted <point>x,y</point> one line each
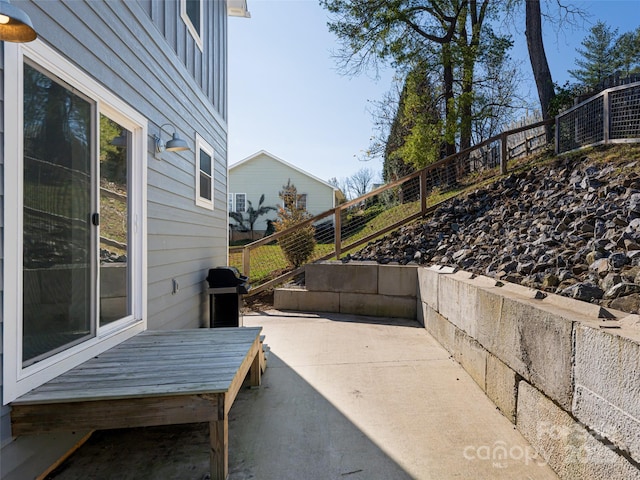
<point>598,59</point>
<point>627,52</point>
<point>416,136</point>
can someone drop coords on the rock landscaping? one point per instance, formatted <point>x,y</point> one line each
<point>570,227</point>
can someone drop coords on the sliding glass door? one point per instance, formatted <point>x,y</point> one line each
<point>115,270</point>
<point>57,233</point>
<point>76,217</point>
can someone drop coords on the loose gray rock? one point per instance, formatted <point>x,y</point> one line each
<point>571,228</point>
<point>583,291</point>
<point>621,290</point>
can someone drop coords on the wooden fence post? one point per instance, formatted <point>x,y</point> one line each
<point>246,262</point>
<point>504,150</point>
<point>337,227</point>
<point>423,192</point>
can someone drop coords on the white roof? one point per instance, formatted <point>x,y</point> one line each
<point>270,155</point>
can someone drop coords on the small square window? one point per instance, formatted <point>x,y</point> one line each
<point>302,201</point>
<point>241,202</point>
<point>191,13</point>
<point>204,173</point>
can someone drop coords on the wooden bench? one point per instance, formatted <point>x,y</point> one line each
<point>154,378</point>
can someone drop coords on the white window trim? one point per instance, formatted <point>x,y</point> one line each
<point>208,149</point>
<point>190,26</point>
<point>235,202</point>
<point>230,201</point>
<point>16,379</point>
<point>306,198</point>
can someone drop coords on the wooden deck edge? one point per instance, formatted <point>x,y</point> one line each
<point>241,374</point>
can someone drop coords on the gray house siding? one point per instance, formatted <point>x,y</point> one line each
<point>5,424</point>
<point>207,68</point>
<point>143,52</point>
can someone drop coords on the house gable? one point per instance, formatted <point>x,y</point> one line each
<point>264,173</point>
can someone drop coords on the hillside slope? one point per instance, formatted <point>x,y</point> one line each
<point>569,226</point>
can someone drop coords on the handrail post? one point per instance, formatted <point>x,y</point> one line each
<point>423,192</point>
<point>337,227</point>
<point>503,153</point>
<point>246,262</point>
<point>605,117</point>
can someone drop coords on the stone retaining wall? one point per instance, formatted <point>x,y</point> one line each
<point>563,371</point>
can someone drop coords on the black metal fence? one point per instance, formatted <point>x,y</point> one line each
<point>612,116</point>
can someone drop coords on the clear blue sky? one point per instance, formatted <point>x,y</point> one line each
<point>287,97</point>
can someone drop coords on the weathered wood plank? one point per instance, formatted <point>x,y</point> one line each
<point>180,365</point>
<point>106,414</point>
<point>157,363</point>
<point>136,381</point>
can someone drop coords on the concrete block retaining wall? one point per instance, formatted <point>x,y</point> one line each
<point>569,381</point>
<point>363,288</point>
<point>566,375</point>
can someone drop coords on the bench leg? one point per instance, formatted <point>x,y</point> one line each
<point>255,371</point>
<point>219,441</point>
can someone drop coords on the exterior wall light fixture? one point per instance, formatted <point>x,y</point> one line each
<point>15,24</point>
<point>176,144</point>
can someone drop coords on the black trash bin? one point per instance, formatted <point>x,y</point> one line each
<point>226,287</point>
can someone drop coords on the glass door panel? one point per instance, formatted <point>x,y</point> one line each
<point>115,276</point>
<point>57,231</point>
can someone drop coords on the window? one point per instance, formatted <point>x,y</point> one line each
<point>74,260</point>
<point>191,13</point>
<point>230,200</point>
<point>241,202</point>
<point>204,173</point>
<point>300,200</point>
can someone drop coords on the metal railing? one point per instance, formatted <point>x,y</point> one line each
<point>612,116</point>
<point>333,234</point>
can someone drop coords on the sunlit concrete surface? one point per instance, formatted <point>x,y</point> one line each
<point>368,398</point>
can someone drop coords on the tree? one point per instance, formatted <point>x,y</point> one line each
<point>564,14</point>
<point>399,31</point>
<point>445,37</point>
<point>360,182</point>
<point>340,184</point>
<point>597,60</point>
<point>113,161</point>
<point>297,245</point>
<point>627,52</point>
<point>416,136</point>
<point>538,58</point>
<point>252,214</point>
<point>495,96</point>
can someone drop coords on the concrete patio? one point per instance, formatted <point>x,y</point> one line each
<point>343,397</point>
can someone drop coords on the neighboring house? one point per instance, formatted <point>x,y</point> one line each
<point>264,173</point>
<point>102,236</point>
